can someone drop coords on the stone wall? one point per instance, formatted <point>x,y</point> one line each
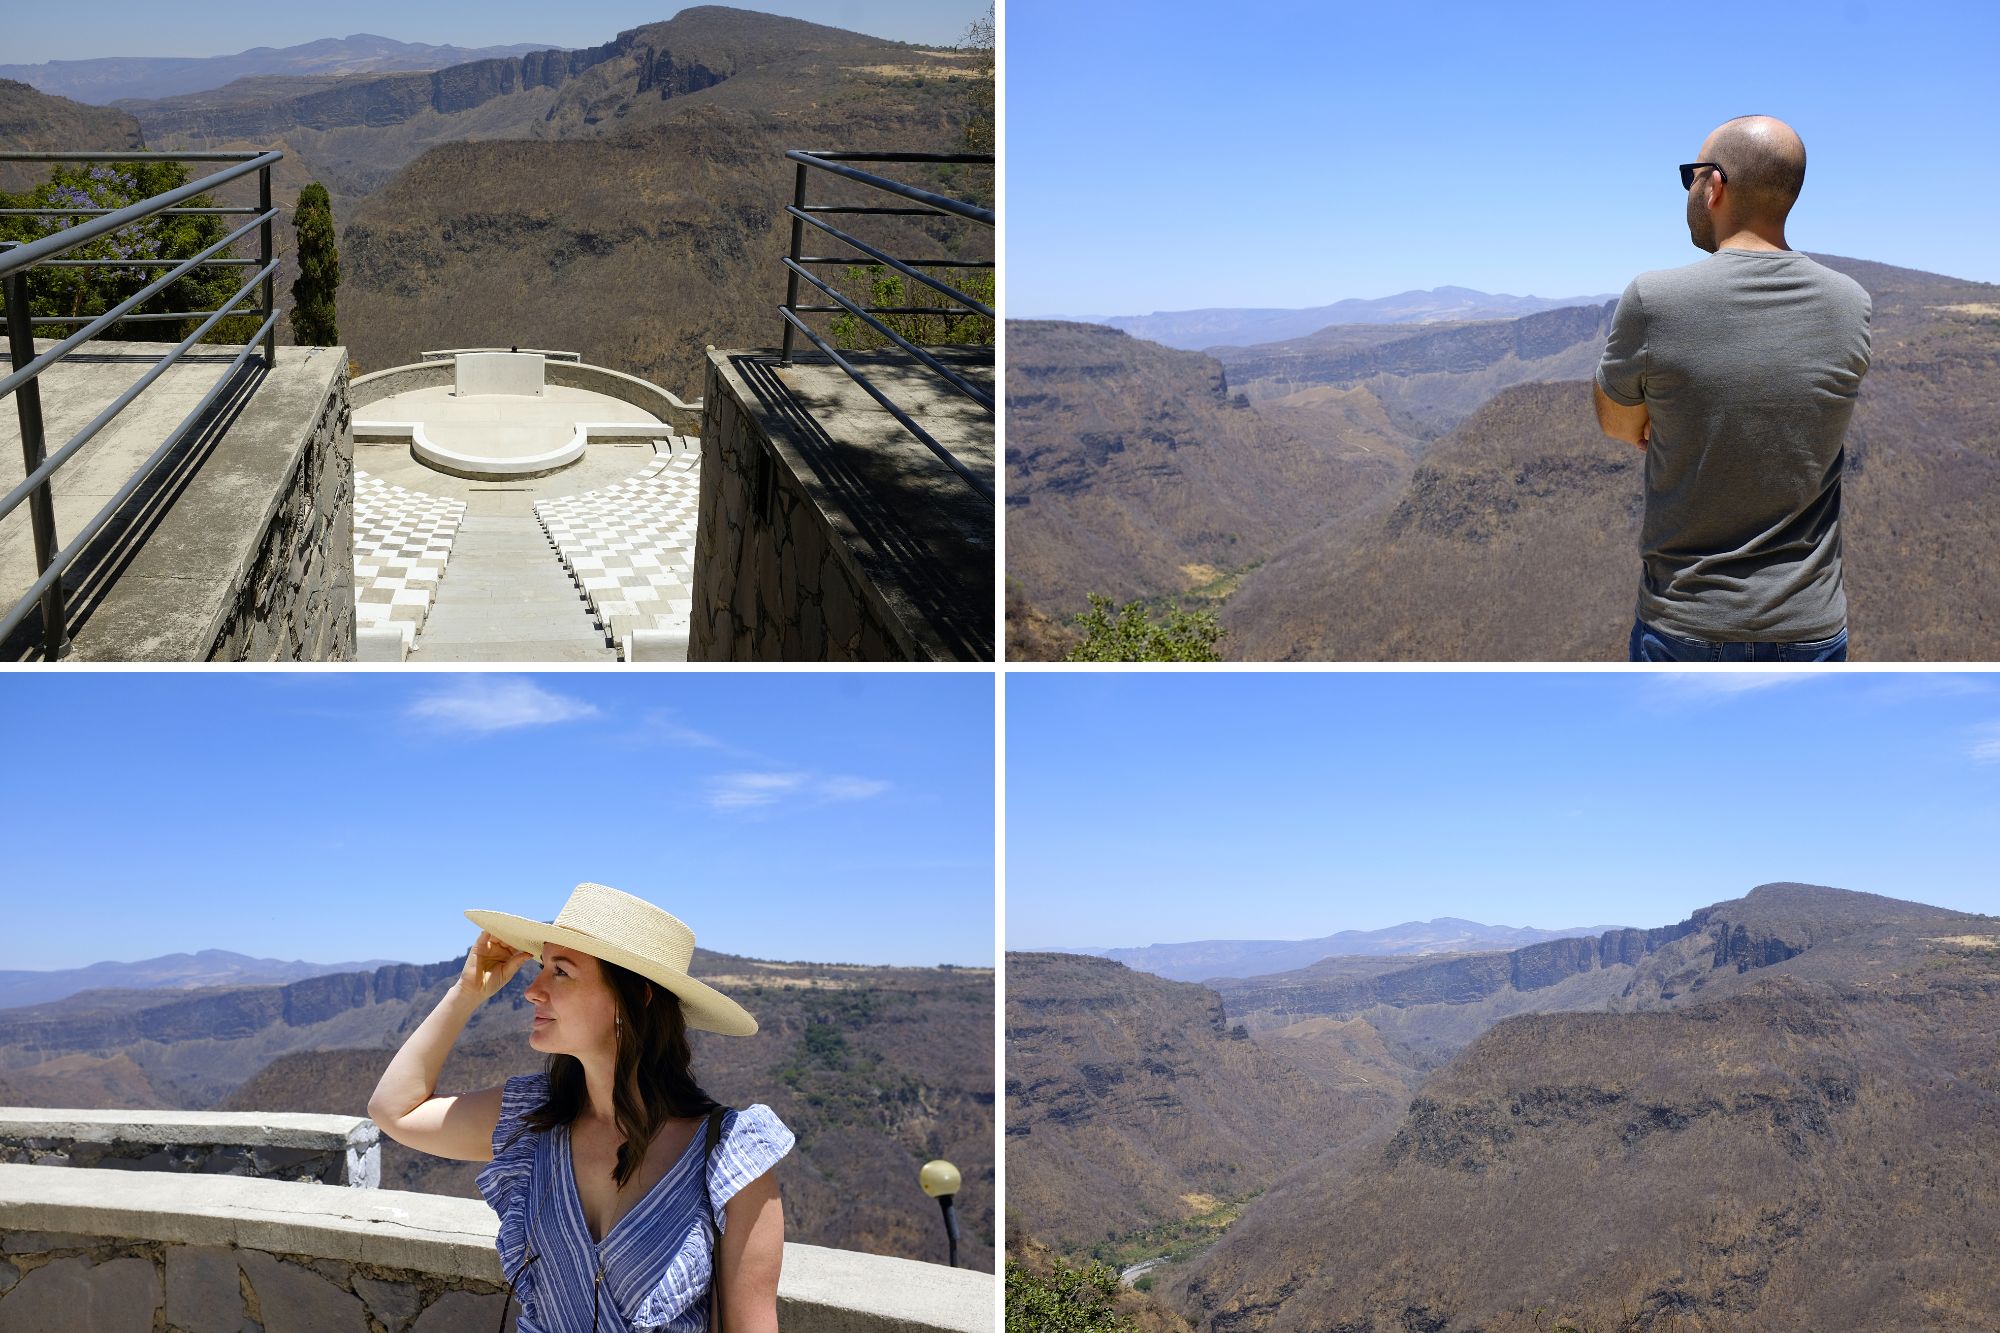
<point>295,603</point>
<point>325,1165</point>
<point>328,1149</point>
<point>48,1278</point>
<point>136,1252</point>
<point>772,580</point>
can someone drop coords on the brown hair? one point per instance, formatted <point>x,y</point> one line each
<point>653,1059</point>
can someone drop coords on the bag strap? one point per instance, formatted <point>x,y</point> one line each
<point>713,1137</point>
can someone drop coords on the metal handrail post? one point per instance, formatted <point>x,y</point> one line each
<point>271,279</point>
<point>41,503</point>
<point>798,244</point>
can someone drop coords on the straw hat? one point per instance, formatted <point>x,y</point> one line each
<point>634,934</point>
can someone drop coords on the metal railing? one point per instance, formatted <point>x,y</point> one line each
<point>24,382</point>
<point>922,203</point>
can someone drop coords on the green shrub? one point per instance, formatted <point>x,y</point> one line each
<point>1066,1300</point>
<point>1131,635</point>
<point>314,320</point>
<point>92,291</point>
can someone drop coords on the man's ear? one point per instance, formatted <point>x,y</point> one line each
<point>1716,185</point>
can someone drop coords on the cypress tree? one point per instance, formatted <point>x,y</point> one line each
<point>313,320</point>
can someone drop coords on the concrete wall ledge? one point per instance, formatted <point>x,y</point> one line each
<point>51,1212</point>
<point>270,1129</point>
<point>238,547</point>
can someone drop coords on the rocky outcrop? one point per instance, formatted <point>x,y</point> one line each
<point>223,1014</point>
<point>1773,923</point>
<point>373,101</point>
<point>35,122</point>
<point>1459,349</point>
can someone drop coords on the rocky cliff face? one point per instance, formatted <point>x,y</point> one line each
<point>1329,988</point>
<point>1801,1145</point>
<point>374,101</point>
<point>78,1024</point>
<point>35,122</point>
<point>1132,470</point>
<point>1456,350</point>
<point>1132,1102</point>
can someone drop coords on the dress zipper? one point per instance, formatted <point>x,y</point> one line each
<point>595,1283</point>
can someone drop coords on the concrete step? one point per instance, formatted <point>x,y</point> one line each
<point>506,597</point>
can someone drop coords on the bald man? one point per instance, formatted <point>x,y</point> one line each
<point>1737,376</point>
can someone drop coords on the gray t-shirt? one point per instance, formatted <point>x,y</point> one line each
<point>1748,364</point>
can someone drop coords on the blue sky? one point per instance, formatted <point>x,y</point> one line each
<point>823,816</point>
<point>36,33</point>
<point>1181,155</point>
<point>1170,806</point>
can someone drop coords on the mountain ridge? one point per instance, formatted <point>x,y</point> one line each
<point>1200,960</point>
<point>1767,1150</point>
<point>146,77</point>
<point>1490,475</point>
<point>1218,326</point>
<point>207,967</point>
<point>1373,1035</point>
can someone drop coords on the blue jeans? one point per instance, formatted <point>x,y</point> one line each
<point>1650,644</point>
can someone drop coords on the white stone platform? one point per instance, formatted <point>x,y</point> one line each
<point>500,435</point>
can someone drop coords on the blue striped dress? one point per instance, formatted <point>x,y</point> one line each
<point>655,1260</point>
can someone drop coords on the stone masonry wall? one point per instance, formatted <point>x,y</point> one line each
<point>54,1282</point>
<point>769,581</point>
<point>327,1166</point>
<point>295,603</point>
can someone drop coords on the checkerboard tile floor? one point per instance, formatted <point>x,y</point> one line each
<point>630,547</point>
<point>402,539</point>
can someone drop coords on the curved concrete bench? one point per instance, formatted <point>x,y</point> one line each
<point>684,417</point>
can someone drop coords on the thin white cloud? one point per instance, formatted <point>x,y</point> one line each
<point>662,725</point>
<point>852,789</point>
<point>758,791</point>
<point>751,791</point>
<point>482,705</point>
<point>1986,744</point>
<point>1690,685</point>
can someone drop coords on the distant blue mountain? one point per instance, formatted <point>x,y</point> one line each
<point>1193,330</point>
<point>1198,960</point>
<point>210,967</point>
<point>103,81</point>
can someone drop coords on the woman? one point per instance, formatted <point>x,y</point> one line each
<point>599,1163</point>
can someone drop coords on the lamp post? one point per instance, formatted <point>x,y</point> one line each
<point>940,1180</point>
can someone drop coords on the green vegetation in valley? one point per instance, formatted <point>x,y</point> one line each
<point>1064,1300</point>
<point>1130,634</point>
<point>315,322</point>
<point>92,291</point>
<point>1225,582</point>
<point>1173,1241</point>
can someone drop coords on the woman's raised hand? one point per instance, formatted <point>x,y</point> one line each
<point>489,965</point>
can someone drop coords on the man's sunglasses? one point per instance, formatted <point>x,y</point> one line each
<point>1689,168</point>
